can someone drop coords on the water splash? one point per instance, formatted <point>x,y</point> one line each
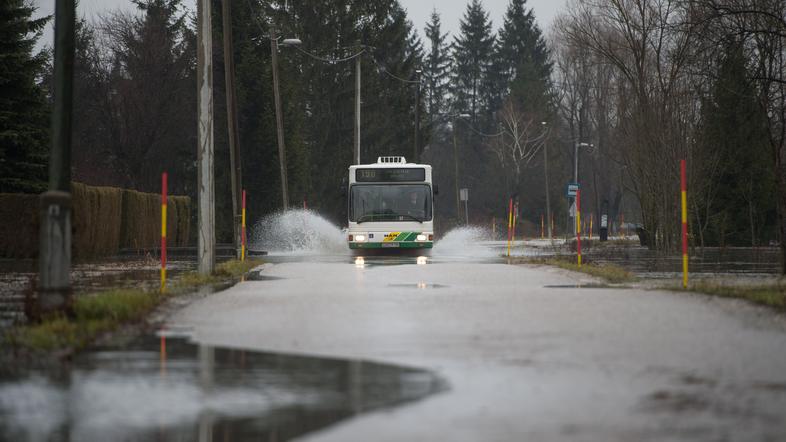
<point>468,242</point>
<point>298,232</point>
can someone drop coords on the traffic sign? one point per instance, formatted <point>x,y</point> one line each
<point>572,189</point>
<point>464,194</point>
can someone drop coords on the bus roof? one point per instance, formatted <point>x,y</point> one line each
<point>388,162</point>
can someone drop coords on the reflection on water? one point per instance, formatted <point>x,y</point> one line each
<point>710,260</point>
<point>167,389</point>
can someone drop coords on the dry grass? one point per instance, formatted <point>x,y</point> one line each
<point>770,295</point>
<point>608,272</point>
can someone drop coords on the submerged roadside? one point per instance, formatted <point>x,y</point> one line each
<point>757,287</point>
<point>114,315</point>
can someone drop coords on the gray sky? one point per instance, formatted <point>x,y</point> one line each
<point>417,10</point>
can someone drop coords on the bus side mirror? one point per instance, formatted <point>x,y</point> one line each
<point>436,189</point>
<point>343,187</point>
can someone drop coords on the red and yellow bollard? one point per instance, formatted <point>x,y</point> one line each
<point>510,223</point>
<point>578,227</point>
<point>684,191</point>
<point>243,229</point>
<point>163,230</point>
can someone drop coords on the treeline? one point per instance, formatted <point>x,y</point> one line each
<point>652,82</point>
<point>639,85</point>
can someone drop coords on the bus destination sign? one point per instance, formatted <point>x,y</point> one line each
<point>398,174</point>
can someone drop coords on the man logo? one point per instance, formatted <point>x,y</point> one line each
<point>391,236</point>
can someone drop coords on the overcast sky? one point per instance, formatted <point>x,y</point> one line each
<point>417,10</point>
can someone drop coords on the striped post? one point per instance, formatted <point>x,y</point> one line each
<point>684,191</point>
<point>592,218</point>
<point>510,223</point>
<point>578,227</point>
<point>243,229</point>
<point>163,230</point>
<point>542,227</point>
<point>553,231</point>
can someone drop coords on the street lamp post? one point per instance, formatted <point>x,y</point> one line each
<point>282,154</point>
<point>576,170</point>
<point>546,179</point>
<point>455,163</point>
<point>416,152</point>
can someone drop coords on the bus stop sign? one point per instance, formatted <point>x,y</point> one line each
<point>572,190</point>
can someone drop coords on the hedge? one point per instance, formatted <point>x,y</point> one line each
<point>104,220</point>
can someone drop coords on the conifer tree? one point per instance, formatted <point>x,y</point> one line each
<point>522,64</point>
<point>472,57</point>
<point>24,123</point>
<point>436,67</point>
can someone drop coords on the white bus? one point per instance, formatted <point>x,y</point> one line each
<point>391,205</point>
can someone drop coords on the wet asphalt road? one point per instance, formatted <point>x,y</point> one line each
<point>522,360</point>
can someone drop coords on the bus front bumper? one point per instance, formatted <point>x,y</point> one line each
<point>392,245</point>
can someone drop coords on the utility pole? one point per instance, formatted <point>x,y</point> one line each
<point>416,156</point>
<point>55,241</point>
<point>236,175</point>
<point>546,178</point>
<point>456,171</point>
<point>357,110</point>
<point>206,189</point>
<point>282,152</point>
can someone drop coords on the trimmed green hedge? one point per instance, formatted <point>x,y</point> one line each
<point>104,220</point>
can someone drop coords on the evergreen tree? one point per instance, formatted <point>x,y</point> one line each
<point>522,61</point>
<point>735,130</point>
<point>473,52</point>
<point>436,67</point>
<point>24,122</point>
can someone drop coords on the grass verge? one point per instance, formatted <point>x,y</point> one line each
<point>608,272</point>
<point>98,313</point>
<point>770,295</point>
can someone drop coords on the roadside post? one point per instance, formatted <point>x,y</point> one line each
<point>515,220</point>
<point>243,229</point>
<point>578,226</point>
<point>684,191</point>
<point>553,231</point>
<point>510,223</point>
<point>464,196</point>
<point>542,224</point>
<point>163,230</point>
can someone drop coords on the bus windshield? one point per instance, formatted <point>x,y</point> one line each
<point>386,202</point>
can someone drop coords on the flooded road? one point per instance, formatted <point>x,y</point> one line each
<point>166,389</point>
<point>322,345</point>
<point>527,352</point>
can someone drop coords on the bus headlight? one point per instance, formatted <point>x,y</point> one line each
<point>360,238</point>
<point>421,237</point>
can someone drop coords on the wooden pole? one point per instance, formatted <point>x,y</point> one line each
<point>236,176</point>
<point>206,189</point>
<point>357,110</point>
<point>282,151</point>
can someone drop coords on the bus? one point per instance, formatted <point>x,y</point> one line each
<point>391,205</point>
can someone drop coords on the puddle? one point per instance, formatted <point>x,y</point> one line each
<point>167,389</point>
<point>258,276</point>
<point>419,286</point>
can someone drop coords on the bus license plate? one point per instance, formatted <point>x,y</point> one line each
<point>390,244</point>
